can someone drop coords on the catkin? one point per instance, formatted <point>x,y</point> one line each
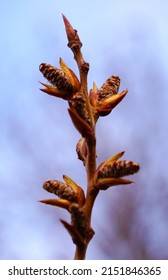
<point>110,87</point>
<point>118,169</point>
<point>60,189</point>
<point>56,77</point>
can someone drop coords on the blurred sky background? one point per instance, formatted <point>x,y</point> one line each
<point>37,139</point>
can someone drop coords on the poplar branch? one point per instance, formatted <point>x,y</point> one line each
<point>85,108</point>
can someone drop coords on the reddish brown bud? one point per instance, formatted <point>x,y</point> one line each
<point>107,97</point>
<point>60,189</point>
<point>64,81</point>
<point>109,173</point>
<point>56,77</point>
<point>73,38</point>
<point>78,103</point>
<point>81,149</point>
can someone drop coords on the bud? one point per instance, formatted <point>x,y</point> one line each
<point>108,97</point>
<point>73,38</point>
<point>56,77</point>
<point>79,193</point>
<point>81,149</point>
<point>65,81</point>
<point>78,219</point>
<point>60,189</point>
<point>71,76</point>
<point>107,162</point>
<point>110,87</point>
<point>110,172</point>
<point>69,190</point>
<point>78,103</point>
<point>118,169</point>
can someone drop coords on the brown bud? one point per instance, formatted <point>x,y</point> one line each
<point>118,169</point>
<point>78,219</point>
<point>56,77</point>
<point>69,190</point>
<point>78,103</point>
<point>108,97</point>
<point>73,38</point>
<point>81,149</point>
<point>70,76</point>
<point>110,87</point>
<point>60,189</point>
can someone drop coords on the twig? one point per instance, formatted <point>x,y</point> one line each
<point>84,109</point>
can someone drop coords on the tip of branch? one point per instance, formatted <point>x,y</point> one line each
<point>73,38</point>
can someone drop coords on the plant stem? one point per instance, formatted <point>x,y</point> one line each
<point>90,169</point>
<point>80,252</point>
<point>91,157</point>
<point>81,249</point>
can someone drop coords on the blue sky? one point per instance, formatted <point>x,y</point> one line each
<point>126,38</point>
